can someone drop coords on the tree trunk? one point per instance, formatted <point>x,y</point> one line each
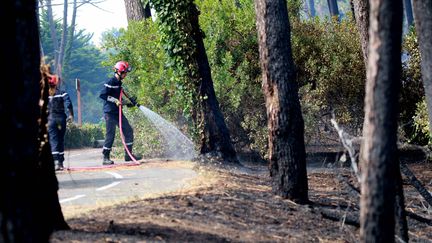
<point>62,47</point>
<point>311,5</point>
<point>71,34</point>
<point>333,8</point>
<point>408,12</point>
<point>361,13</point>
<point>147,11</point>
<point>29,207</point>
<point>401,224</point>
<point>285,122</point>
<point>39,4</point>
<point>215,135</point>
<point>379,153</point>
<point>53,31</point>
<point>134,10</point>
<point>423,24</point>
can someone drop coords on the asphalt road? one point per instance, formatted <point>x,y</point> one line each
<point>88,184</point>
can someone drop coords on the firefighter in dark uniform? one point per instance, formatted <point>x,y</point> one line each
<point>110,94</point>
<point>58,100</point>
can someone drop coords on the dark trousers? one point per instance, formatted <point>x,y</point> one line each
<point>56,133</point>
<point>111,122</point>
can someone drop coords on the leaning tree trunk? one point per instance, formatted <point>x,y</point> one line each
<point>285,122</point>
<point>379,153</point>
<point>423,24</point>
<point>29,206</point>
<point>134,10</point>
<point>215,136</point>
<point>361,13</point>
<point>184,43</point>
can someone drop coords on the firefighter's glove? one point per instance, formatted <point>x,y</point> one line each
<point>114,100</point>
<point>133,101</point>
<point>128,103</point>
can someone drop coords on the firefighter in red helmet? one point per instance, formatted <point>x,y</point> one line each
<point>58,100</point>
<point>110,93</point>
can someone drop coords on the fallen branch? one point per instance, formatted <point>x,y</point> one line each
<point>347,142</point>
<point>416,183</point>
<point>419,218</point>
<point>341,217</point>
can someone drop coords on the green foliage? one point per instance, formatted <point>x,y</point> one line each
<point>85,136</point>
<point>232,50</point>
<point>413,109</point>
<point>330,69</point>
<point>421,125</point>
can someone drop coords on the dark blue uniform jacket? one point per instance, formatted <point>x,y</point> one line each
<point>111,88</point>
<point>57,104</point>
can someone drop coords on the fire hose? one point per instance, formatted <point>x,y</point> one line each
<point>120,125</point>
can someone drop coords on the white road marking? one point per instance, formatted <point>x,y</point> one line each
<point>74,155</point>
<point>72,198</point>
<point>116,175</point>
<point>108,186</point>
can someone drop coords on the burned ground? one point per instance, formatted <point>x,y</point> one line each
<point>236,204</point>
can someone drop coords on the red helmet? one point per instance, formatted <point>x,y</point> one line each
<point>122,67</point>
<point>53,80</point>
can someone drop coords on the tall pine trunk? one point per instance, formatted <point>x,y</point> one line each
<point>29,206</point>
<point>62,47</point>
<point>285,122</point>
<point>423,24</point>
<point>53,31</point>
<point>379,154</point>
<point>71,35</point>
<point>361,13</point>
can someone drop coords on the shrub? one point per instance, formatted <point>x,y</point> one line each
<point>412,92</point>
<point>85,136</point>
<point>421,134</point>
<point>330,70</point>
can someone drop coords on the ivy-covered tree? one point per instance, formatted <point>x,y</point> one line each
<point>183,41</point>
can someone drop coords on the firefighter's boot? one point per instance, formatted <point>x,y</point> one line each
<point>58,164</point>
<point>106,157</point>
<point>128,158</point>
